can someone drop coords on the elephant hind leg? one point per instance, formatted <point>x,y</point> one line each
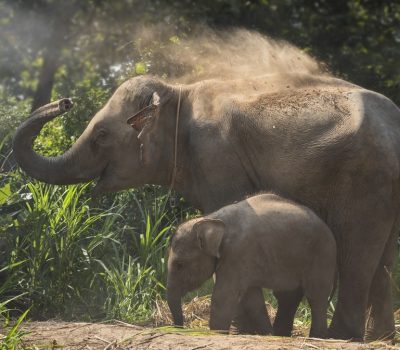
<point>288,302</point>
<point>318,307</point>
<point>355,279</point>
<point>380,320</point>
<point>317,291</point>
<point>362,223</point>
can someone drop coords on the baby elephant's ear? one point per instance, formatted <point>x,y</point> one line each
<point>209,235</point>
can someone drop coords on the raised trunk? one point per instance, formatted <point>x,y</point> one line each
<point>69,168</point>
<point>175,305</point>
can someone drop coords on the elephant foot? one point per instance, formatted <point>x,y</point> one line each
<point>252,315</point>
<point>339,332</point>
<point>248,324</point>
<point>380,323</point>
<point>282,332</point>
<point>348,322</point>
<point>347,326</point>
<point>318,334</point>
<point>375,333</point>
<point>288,302</point>
<point>385,337</point>
<point>251,323</point>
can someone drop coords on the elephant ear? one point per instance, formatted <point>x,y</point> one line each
<point>142,118</point>
<point>210,233</point>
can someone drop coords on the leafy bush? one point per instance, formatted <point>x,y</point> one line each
<point>10,334</point>
<point>56,233</point>
<point>136,277</point>
<point>74,260</point>
<point>12,113</point>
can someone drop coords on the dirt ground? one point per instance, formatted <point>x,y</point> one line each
<point>118,335</point>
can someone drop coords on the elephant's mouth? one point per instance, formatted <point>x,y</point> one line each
<point>101,183</point>
<point>110,180</point>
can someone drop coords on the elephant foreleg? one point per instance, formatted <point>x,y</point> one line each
<point>224,303</point>
<point>252,316</point>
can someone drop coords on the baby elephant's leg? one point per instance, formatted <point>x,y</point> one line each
<point>288,302</point>
<point>318,318</point>
<point>317,294</point>
<point>224,303</point>
<point>252,316</point>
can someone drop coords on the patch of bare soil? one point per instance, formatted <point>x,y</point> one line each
<point>121,336</point>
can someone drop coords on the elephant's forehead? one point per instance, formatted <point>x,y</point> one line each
<point>114,110</point>
<point>109,119</point>
<point>118,104</point>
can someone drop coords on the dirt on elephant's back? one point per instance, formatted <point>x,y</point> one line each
<point>69,335</point>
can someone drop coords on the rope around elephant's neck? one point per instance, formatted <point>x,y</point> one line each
<point>174,170</point>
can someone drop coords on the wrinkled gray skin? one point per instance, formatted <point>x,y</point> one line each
<point>263,241</point>
<point>322,142</point>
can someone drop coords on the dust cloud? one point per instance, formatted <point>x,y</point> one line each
<point>225,54</point>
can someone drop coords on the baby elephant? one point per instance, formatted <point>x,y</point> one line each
<point>263,241</point>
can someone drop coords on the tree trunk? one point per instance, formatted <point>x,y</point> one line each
<point>59,27</point>
<point>48,70</point>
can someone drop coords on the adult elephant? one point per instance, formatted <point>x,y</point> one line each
<point>321,141</point>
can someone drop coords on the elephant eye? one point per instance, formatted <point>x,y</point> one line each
<point>101,136</point>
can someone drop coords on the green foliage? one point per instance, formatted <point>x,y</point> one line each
<point>11,339</point>
<point>74,260</point>
<point>12,112</point>
<point>10,333</point>
<point>131,289</point>
<point>56,233</point>
<point>135,282</point>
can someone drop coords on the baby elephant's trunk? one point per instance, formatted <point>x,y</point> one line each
<point>175,305</point>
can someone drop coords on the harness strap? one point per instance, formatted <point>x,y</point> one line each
<point>174,170</point>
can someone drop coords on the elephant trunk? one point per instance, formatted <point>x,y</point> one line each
<point>175,305</point>
<point>63,169</point>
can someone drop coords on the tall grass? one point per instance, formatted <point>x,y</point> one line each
<point>136,277</point>
<point>57,235</point>
<point>10,332</point>
<point>81,261</point>
<point>131,290</point>
<point>10,337</point>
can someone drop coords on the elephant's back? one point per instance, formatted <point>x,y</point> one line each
<point>278,230</point>
<point>377,139</point>
<point>271,208</point>
<point>269,214</point>
<point>285,224</point>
